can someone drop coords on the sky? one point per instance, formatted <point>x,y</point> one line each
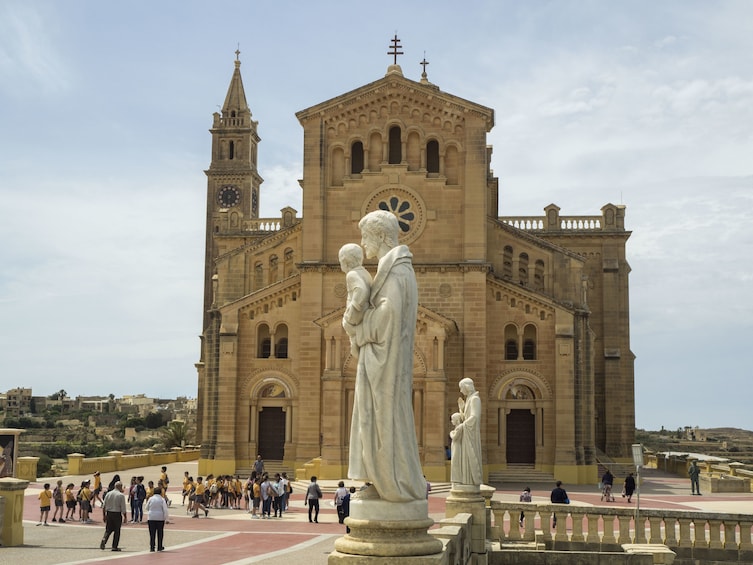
<point>104,115</point>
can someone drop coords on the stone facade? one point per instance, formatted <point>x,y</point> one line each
<point>534,309</point>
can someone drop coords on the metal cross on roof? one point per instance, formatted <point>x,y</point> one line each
<point>424,63</point>
<point>238,53</point>
<point>394,48</point>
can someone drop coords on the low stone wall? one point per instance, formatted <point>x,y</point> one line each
<point>79,464</point>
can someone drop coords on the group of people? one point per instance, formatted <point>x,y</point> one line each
<point>607,483</point>
<point>259,495</point>
<point>559,494</point>
<point>114,501</point>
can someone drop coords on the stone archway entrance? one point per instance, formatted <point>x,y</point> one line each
<point>521,437</point>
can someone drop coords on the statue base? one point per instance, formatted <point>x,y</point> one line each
<point>379,528</point>
<point>468,499</point>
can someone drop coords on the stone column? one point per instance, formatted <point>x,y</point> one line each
<point>12,493</point>
<point>469,499</point>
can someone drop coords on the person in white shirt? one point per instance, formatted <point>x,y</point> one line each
<point>157,514</point>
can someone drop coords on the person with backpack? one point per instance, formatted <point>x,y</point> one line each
<point>139,498</point>
<point>57,497</point>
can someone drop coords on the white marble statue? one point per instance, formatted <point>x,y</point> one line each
<point>383,448</point>
<point>466,464</point>
<point>358,283</point>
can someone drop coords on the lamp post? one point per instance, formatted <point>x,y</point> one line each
<point>638,461</point>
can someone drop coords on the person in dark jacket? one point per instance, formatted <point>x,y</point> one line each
<point>629,487</point>
<point>558,496</point>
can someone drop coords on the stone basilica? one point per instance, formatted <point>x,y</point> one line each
<point>534,309</point>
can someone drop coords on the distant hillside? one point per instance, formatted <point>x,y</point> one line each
<point>731,443</point>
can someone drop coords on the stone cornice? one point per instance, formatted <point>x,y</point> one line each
<point>389,88</point>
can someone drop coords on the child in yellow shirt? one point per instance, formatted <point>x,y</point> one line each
<point>45,498</point>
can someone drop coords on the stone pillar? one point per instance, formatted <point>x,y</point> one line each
<point>75,462</point>
<point>27,468</point>
<point>468,499</point>
<point>12,493</point>
<point>118,456</point>
<point>382,531</point>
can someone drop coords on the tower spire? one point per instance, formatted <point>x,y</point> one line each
<point>235,100</point>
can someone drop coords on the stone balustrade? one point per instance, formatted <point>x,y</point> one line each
<point>699,535</point>
<point>566,223</point>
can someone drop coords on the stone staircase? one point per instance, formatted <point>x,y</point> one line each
<point>519,474</point>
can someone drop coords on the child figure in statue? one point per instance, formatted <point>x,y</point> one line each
<point>358,282</point>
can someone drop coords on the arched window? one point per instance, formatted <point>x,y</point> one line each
<point>507,262</point>
<point>432,156</point>
<point>264,342</point>
<point>273,268</point>
<point>538,275</point>
<point>356,158</point>
<point>288,266</point>
<point>396,146</point>
<point>511,342</point>
<point>231,150</point>
<point>529,342</point>
<point>281,342</point>
<point>523,268</point>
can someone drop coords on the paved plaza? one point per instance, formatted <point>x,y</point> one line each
<point>232,537</point>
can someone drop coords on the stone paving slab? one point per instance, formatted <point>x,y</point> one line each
<point>231,537</point>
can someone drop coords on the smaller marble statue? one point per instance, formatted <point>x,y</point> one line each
<point>466,464</point>
<point>358,283</point>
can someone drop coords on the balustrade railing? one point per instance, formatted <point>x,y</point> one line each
<point>599,525</point>
<point>564,223</point>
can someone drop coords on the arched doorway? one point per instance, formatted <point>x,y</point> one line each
<point>271,410</point>
<point>520,399</point>
<point>521,437</point>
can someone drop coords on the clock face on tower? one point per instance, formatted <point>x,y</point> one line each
<point>229,196</point>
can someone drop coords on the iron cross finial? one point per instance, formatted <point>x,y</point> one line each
<point>394,48</point>
<point>238,53</point>
<point>424,63</point>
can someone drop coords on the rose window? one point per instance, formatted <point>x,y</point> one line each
<point>405,204</point>
<point>402,210</point>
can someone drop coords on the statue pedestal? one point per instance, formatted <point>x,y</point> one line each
<point>468,499</point>
<point>380,529</point>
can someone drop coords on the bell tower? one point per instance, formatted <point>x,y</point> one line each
<point>233,179</point>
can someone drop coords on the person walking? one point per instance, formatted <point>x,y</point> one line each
<point>340,495</point>
<point>694,472</point>
<point>313,494</point>
<point>157,514</point>
<point>629,487</point>
<point>607,482</point>
<point>114,514</point>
